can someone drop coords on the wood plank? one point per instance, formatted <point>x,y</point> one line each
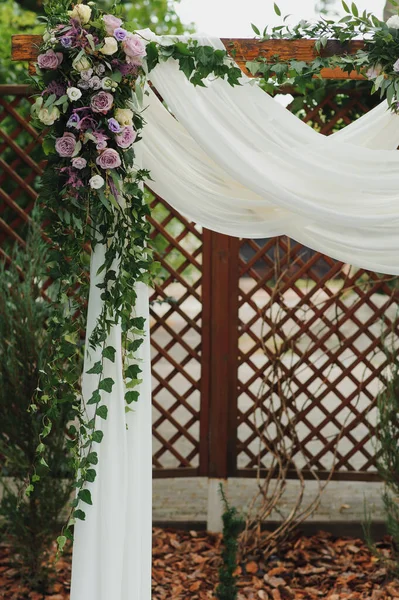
<point>25,48</point>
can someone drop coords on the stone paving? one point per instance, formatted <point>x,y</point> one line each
<point>185,500</point>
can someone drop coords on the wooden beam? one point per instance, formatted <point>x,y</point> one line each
<point>26,47</point>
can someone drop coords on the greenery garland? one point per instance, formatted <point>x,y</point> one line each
<point>91,75</point>
<point>378,61</point>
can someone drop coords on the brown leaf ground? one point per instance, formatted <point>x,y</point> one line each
<point>185,566</point>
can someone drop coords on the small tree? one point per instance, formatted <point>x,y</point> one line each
<point>31,515</point>
<point>232,527</point>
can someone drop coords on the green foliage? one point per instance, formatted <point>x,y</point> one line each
<point>232,527</point>
<point>376,61</point>
<point>388,450</point>
<point>197,62</point>
<point>31,519</point>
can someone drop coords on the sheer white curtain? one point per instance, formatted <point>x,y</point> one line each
<point>236,162</point>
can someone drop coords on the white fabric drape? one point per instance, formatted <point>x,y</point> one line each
<point>112,547</point>
<point>236,162</point>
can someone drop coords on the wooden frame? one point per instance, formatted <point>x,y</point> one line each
<point>25,48</point>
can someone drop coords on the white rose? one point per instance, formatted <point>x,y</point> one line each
<point>108,84</point>
<point>96,182</point>
<point>83,64</point>
<point>74,93</point>
<point>110,46</point>
<point>81,12</point>
<point>48,117</point>
<point>393,22</point>
<point>124,116</point>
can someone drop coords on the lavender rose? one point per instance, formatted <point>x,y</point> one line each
<point>100,69</point>
<point>102,102</point>
<point>120,34</point>
<point>109,159</point>
<point>50,60</point>
<point>73,121</point>
<point>66,41</point>
<point>113,125</point>
<point>66,145</point>
<point>86,75</point>
<point>126,138</point>
<point>95,83</point>
<point>79,162</point>
<point>134,49</point>
<point>111,23</point>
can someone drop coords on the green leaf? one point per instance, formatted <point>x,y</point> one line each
<point>346,7</point>
<point>97,436</point>
<point>79,514</point>
<point>132,371</point>
<point>102,412</point>
<point>48,146</point>
<point>255,29</point>
<point>29,490</point>
<point>92,458</point>
<point>95,399</point>
<point>355,10</point>
<point>106,384</point>
<point>85,496</point>
<point>109,352</point>
<point>131,397</point>
<point>61,541</point>
<point>277,10</point>
<point>152,56</point>
<point>91,474</point>
<point>96,369</point>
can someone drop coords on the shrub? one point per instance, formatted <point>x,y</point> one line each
<point>30,514</point>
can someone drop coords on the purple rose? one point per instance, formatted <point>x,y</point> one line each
<point>126,138</point>
<point>102,102</point>
<point>120,34</point>
<point>134,49</point>
<point>66,41</point>
<point>86,75</point>
<point>83,85</point>
<point>109,159</point>
<point>100,69</point>
<point>111,23</point>
<point>73,121</point>
<point>113,125</point>
<point>101,140</point>
<point>95,83</point>
<point>79,162</point>
<point>50,60</point>
<point>66,145</point>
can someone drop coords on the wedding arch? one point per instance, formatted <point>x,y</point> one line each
<point>225,154</point>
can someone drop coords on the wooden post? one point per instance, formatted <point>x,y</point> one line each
<point>219,366</point>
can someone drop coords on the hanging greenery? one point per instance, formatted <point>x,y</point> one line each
<point>378,61</point>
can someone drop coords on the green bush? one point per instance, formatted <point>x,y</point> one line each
<point>31,516</point>
<point>232,527</point>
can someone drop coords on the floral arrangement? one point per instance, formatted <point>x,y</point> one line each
<point>89,77</point>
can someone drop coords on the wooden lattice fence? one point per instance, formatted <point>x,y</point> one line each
<point>225,312</point>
